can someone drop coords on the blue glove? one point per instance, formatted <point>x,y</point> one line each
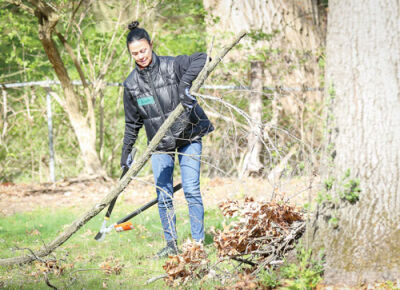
<point>187,100</point>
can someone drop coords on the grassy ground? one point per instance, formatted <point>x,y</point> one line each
<point>122,261</point>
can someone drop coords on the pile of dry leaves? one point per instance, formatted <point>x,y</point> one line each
<point>192,263</point>
<point>260,229</point>
<point>260,235</point>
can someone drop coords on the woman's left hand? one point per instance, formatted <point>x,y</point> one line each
<point>187,100</point>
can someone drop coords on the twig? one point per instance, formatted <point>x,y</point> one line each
<point>292,235</point>
<point>151,280</point>
<point>244,261</point>
<point>32,252</point>
<point>22,6</point>
<point>46,279</point>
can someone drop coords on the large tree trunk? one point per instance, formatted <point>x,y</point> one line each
<point>361,238</point>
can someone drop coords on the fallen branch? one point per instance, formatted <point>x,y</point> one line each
<point>151,280</point>
<point>280,251</point>
<point>46,280</point>
<point>133,171</point>
<point>277,172</point>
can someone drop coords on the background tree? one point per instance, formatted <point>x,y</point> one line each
<point>79,37</point>
<point>358,224</point>
<point>81,114</point>
<point>286,37</point>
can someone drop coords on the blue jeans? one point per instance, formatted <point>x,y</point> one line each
<point>163,168</point>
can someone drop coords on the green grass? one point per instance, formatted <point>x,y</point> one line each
<point>132,249</point>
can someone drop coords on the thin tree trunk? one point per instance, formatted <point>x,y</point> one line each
<point>252,165</point>
<point>4,113</point>
<point>85,134</point>
<point>101,126</point>
<point>86,137</point>
<point>359,230</point>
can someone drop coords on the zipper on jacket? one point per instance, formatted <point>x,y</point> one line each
<point>157,101</point>
<point>155,95</point>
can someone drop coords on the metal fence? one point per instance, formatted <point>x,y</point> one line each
<point>48,83</point>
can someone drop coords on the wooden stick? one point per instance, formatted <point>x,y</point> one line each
<point>151,280</point>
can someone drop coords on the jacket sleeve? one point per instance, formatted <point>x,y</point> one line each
<point>187,67</point>
<point>133,123</point>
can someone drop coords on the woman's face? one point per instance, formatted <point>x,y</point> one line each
<point>141,50</point>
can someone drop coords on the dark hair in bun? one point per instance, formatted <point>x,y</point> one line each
<point>136,33</point>
<point>133,25</point>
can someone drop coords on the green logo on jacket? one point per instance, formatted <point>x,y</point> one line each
<point>145,101</point>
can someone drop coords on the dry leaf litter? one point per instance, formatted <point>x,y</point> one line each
<point>259,235</point>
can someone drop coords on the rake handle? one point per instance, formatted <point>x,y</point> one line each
<point>125,170</point>
<point>144,207</point>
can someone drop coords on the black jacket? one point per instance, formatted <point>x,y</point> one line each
<point>152,93</point>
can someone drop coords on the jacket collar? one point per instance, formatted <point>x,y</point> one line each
<point>152,66</point>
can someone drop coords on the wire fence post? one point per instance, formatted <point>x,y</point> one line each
<point>50,129</point>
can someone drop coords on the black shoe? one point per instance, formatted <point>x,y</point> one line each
<point>167,251</point>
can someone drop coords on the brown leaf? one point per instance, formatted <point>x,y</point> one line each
<point>34,232</point>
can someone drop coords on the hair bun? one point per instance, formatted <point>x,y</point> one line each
<point>133,25</point>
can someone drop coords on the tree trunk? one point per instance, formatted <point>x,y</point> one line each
<point>85,133</point>
<point>3,122</point>
<point>252,165</point>
<point>359,230</point>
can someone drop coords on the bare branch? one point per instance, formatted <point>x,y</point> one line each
<point>60,100</point>
<point>151,280</point>
<point>43,7</point>
<point>70,51</point>
<point>22,6</point>
<point>226,119</point>
<point>46,279</point>
<point>72,19</point>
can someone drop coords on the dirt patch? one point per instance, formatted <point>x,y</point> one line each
<point>15,198</point>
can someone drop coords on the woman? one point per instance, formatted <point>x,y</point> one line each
<point>151,92</point>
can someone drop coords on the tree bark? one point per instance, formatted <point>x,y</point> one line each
<point>85,134</point>
<point>362,238</point>
<point>252,165</point>
<point>133,171</point>
<point>4,123</point>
